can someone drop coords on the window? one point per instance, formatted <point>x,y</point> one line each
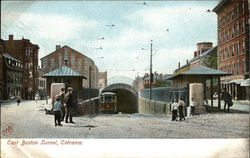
<point>232,32</point>
<point>72,60</point>
<point>242,25</point>
<point>228,51</point>
<point>232,49</point>
<point>237,29</point>
<point>237,48</point>
<point>243,45</point>
<point>243,7</point>
<point>232,14</point>
<point>52,62</point>
<point>243,66</point>
<point>65,54</point>
<point>237,10</point>
<point>60,60</point>
<point>233,68</point>
<point>228,17</point>
<point>79,63</point>
<point>44,63</point>
<point>228,34</point>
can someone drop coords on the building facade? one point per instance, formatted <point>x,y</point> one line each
<point>233,44</point>
<point>12,77</point>
<point>76,61</point>
<point>27,53</point>
<point>41,84</point>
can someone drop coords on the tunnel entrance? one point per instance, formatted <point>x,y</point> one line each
<point>127,98</point>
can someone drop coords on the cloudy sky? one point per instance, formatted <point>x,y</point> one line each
<point>82,25</point>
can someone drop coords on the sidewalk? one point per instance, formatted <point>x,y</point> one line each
<point>239,105</point>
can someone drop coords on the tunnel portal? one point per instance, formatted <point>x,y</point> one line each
<point>127,97</point>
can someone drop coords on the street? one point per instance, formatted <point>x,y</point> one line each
<point>29,121</point>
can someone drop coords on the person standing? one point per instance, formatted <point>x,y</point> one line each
<point>18,100</point>
<point>62,99</point>
<point>181,108</point>
<point>227,100</point>
<point>69,105</point>
<point>192,106</point>
<point>174,108</point>
<point>57,111</point>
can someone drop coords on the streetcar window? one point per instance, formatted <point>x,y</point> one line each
<point>108,99</point>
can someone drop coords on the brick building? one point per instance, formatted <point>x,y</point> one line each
<point>75,60</point>
<point>233,44</point>
<point>26,53</point>
<point>41,83</point>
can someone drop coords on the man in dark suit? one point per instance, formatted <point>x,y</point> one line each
<point>69,105</point>
<point>227,99</point>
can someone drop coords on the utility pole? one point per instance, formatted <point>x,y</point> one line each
<point>90,68</point>
<point>151,77</point>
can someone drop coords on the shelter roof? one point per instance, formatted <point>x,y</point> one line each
<point>201,71</point>
<point>63,72</point>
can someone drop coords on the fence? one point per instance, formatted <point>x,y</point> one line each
<point>167,94</point>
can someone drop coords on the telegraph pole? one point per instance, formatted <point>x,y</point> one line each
<point>90,68</point>
<point>151,77</point>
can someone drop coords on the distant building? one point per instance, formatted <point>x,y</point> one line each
<point>233,44</point>
<point>77,61</point>
<point>26,53</point>
<point>159,80</point>
<point>205,55</point>
<point>41,83</point>
<point>12,77</point>
<point>103,80</point>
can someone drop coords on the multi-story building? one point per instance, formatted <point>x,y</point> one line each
<point>75,60</point>
<point>205,55</point>
<point>27,53</point>
<point>41,83</point>
<point>12,77</point>
<point>233,44</point>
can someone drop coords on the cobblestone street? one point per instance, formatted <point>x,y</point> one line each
<point>30,121</point>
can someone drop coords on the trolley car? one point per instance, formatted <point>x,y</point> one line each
<point>108,102</point>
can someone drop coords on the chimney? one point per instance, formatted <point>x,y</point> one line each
<point>58,47</point>
<point>179,64</point>
<point>11,37</point>
<point>187,61</point>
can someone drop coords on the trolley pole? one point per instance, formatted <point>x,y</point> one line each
<point>151,75</point>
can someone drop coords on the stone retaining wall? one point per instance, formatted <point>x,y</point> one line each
<point>87,107</point>
<point>153,107</point>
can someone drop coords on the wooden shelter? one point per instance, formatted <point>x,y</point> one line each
<point>64,75</point>
<point>200,74</point>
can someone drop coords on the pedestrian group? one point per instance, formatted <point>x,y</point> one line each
<point>63,106</point>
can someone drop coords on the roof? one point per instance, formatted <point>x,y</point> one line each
<point>246,82</point>
<point>201,70</point>
<point>63,71</point>
<point>6,55</point>
<point>71,49</point>
<point>220,5</point>
<point>204,53</point>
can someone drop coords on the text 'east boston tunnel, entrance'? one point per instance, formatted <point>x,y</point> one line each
<point>127,97</point>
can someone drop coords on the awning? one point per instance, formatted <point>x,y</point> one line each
<point>246,82</point>
<point>236,81</point>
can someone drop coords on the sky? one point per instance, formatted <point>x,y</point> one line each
<point>175,27</point>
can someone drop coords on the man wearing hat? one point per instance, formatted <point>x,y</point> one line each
<point>69,105</point>
<point>62,97</point>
